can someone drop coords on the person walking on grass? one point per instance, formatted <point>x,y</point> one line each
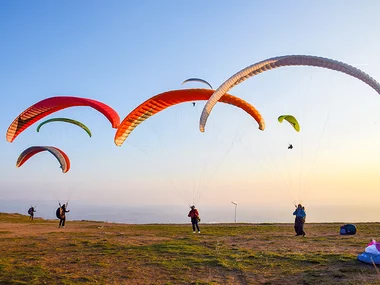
<point>194,215</point>
<point>299,220</point>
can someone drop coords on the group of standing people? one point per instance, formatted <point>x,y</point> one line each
<point>60,213</point>
<point>193,214</point>
<point>298,223</point>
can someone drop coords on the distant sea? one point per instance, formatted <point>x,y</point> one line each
<point>177,214</point>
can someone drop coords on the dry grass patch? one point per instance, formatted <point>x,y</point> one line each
<point>104,253</point>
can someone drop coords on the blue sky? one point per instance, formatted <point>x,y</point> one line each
<point>124,52</point>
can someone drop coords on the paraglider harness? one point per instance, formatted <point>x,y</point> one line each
<point>60,213</point>
<point>31,211</point>
<point>348,229</point>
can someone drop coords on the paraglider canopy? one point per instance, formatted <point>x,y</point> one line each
<point>167,99</point>
<point>53,104</point>
<point>291,120</point>
<point>67,120</point>
<point>281,61</point>
<point>197,80</point>
<point>62,157</point>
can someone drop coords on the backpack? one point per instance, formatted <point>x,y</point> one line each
<point>30,211</point>
<point>348,229</point>
<point>59,213</point>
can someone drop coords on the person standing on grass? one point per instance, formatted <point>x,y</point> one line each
<point>300,220</point>
<point>194,215</point>
<point>31,212</point>
<point>61,215</point>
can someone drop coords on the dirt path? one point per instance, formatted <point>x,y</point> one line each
<point>21,230</point>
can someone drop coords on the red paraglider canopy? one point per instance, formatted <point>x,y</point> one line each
<point>54,104</point>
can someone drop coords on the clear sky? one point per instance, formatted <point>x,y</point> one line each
<point>124,52</point>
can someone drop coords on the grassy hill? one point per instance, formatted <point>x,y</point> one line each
<point>85,252</point>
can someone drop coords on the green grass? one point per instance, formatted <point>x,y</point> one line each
<point>103,253</point>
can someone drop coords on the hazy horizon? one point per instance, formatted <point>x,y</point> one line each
<point>164,214</point>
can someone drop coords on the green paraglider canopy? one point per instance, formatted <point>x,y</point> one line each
<point>67,120</point>
<point>291,119</point>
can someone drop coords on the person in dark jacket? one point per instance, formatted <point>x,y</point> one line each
<point>194,215</point>
<point>62,216</point>
<point>300,220</point>
<point>31,212</point>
